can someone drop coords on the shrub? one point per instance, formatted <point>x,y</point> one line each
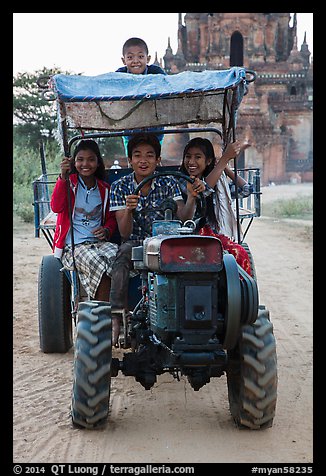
<point>298,207</point>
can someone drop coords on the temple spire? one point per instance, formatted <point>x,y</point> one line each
<point>156,59</point>
<point>305,53</point>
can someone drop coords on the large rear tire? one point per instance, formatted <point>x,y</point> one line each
<point>92,365</point>
<point>54,307</point>
<point>252,375</point>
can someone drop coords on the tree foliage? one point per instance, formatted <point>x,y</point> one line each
<point>34,116</point>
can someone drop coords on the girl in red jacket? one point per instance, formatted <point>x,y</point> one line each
<point>93,223</point>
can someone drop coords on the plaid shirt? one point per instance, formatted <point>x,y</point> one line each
<point>161,188</point>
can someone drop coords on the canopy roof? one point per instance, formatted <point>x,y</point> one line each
<point>120,101</point>
<point>122,86</point>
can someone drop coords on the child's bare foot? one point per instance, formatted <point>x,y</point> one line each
<point>115,330</point>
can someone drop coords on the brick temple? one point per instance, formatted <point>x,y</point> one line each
<point>276,114</point>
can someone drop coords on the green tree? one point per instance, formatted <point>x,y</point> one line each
<point>35,121</point>
<point>34,116</point>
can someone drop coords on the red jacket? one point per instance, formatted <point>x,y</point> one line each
<point>59,205</point>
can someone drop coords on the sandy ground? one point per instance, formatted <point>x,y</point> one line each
<point>171,423</point>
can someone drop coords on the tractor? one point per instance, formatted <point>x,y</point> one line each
<point>193,311</point>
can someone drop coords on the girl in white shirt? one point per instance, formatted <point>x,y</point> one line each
<point>199,161</point>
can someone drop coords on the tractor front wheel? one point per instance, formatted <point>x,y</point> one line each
<point>252,375</point>
<point>92,365</point>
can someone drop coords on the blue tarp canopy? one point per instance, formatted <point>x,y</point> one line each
<point>122,86</point>
<point>120,101</point>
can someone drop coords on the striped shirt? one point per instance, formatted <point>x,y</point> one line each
<point>161,188</point>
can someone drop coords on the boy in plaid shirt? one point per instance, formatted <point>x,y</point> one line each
<point>144,150</point>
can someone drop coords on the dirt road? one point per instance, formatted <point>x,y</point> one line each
<point>171,423</point>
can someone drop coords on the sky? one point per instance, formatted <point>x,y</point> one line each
<point>91,43</point>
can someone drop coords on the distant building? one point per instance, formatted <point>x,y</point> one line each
<point>277,111</point>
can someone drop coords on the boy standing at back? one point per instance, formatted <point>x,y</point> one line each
<point>135,57</point>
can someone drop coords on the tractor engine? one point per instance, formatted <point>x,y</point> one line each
<point>195,304</point>
<point>182,287</point>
